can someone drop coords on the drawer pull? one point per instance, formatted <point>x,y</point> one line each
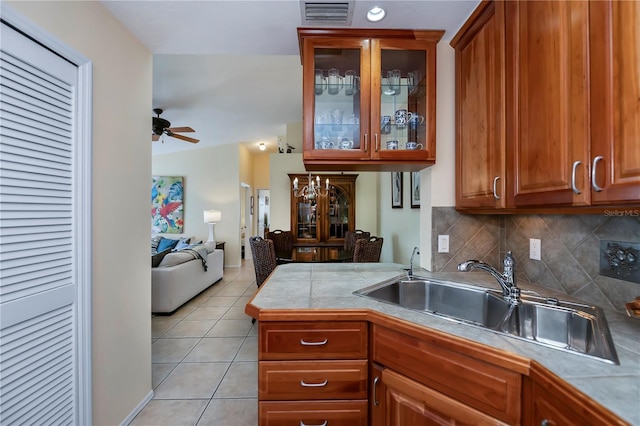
<point>305,343</point>
<point>326,422</point>
<point>313,385</point>
<point>495,187</point>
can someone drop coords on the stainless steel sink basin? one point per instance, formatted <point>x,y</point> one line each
<point>573,327</point>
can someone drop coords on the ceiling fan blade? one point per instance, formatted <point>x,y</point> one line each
<point>184,138</point>
<point>180,129</point>
<point>155,138</point>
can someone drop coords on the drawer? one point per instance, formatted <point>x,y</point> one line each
<point>483,386</point>
<point>313,340</point>
<point>298,380</point>
<point>313,413</point>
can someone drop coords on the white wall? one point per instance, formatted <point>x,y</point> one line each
<point>211,181</point>
<point>121,167</point>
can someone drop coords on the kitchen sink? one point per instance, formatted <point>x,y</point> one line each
<point>569,326</point>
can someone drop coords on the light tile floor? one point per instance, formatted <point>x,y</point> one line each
<point>205,358</point>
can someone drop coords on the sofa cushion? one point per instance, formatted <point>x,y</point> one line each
<point>167,243</point>
<point>157,258</point>
<point>176,258</point>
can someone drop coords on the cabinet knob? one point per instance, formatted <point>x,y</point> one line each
<point>593,173</point>
<point>573,177</point>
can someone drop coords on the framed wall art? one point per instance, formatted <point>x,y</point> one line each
<point>396,190</point>
<point>415,190</point>
<point>167,208</point>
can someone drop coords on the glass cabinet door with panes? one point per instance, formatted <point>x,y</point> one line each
<point>368,99</point>
<point>322,208</point>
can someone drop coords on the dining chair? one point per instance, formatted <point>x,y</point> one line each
<point>282,240</point>
<point>350,238</point>
<point>368,250</point>
<point>264,259</point>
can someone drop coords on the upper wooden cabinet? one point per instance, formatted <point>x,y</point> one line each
<point>480,130</point>
<point>363,90</point>
<point>615,101</point>
<point>563,131</point>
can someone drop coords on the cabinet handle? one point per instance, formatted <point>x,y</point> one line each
<point>326,422</point>
<point>377,144</point>
<point>366,142</point>
<point>305,343</point>
<point>375,391</point>
<point>573,177</point>
<point>593,173</point>
<point>495,187</point>
<point>313,385</point>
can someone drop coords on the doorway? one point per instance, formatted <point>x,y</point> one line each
<point>246,219</point>
<point>264,216</point>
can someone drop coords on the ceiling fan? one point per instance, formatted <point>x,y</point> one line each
<point>161,126</point>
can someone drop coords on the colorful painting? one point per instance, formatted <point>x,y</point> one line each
<point>167,209</point>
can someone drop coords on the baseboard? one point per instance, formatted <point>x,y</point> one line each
<point>138,408</point>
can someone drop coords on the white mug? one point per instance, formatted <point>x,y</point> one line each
<point>413,145</point>
<point>346,144</point>
<point>392,145</point>
<point>401,118</point>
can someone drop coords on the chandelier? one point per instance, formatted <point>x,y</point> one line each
<point>311,190</point>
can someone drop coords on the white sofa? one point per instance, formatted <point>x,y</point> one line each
<point>173,283</point>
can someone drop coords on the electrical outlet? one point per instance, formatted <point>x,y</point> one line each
<point>535,249</point>
<point>443,244</point>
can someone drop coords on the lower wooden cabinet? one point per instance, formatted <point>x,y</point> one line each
<point>313,413</point>
<point>548,401</point>
<point>313,373</point>
<point>407,402</point>
<point>388,373</point>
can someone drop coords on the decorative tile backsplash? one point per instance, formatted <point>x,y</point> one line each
<point>570,249</point>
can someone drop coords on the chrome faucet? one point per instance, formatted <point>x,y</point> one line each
<point>416,250</point>
<point>506,279</point>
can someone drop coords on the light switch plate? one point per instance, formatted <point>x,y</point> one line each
<point>535,249</point>
<point>443,244</point>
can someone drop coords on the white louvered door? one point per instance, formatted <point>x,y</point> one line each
<point>39,235</point>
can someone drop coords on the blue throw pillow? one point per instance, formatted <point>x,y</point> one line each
<point>183,243</point>
<point>166,243</point>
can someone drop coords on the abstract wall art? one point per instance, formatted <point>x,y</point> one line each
<point>167,208</point>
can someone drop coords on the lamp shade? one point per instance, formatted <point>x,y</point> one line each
<point>212,216</point>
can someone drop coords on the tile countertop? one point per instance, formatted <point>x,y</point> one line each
<point>330,286</point>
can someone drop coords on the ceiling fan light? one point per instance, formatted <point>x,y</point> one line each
<point>376,14</point>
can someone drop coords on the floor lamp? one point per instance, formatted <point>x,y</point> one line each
<point>212,217</point>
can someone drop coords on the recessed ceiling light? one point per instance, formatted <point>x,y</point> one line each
<point>262,146</point>
<point>376,14</point>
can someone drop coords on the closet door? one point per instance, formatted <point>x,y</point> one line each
<point>41,236</point>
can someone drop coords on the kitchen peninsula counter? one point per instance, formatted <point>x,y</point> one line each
<point>323,291</point>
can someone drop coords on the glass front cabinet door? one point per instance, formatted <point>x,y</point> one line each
<point>368,98</point>
<point>323,218</point>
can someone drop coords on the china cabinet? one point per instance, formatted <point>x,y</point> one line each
<point>324,218</point>
<point>368,98</point>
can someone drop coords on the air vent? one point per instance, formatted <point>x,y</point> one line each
<point>326,13</point>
